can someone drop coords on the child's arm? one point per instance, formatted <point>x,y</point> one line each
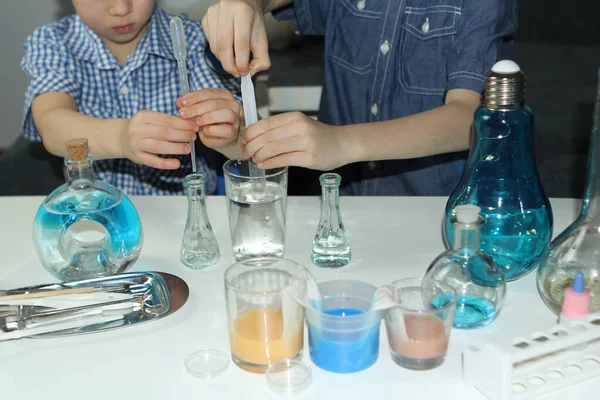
<point>140,139</point>
<point>293,139</point>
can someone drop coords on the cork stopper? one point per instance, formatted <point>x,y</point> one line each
<point>77,149</point>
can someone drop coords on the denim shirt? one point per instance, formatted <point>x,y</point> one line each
<point>387,59</point>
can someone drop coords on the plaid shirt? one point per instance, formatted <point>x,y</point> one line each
<point>68,57</point>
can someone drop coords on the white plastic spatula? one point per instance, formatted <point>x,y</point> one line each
<point>305,290</point>
<point>251,116</point>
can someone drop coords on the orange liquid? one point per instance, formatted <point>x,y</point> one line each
<point>426,338</point>
<point>257,338</point>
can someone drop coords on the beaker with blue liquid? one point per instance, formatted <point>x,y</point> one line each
<point>343,329</point>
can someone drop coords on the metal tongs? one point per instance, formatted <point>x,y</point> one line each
<point>42,311</point>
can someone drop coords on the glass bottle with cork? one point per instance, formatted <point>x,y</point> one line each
<point>86,228</point>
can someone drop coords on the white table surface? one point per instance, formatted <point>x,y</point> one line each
<point>391,238</point>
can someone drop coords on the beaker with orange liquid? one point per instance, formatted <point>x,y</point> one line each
<point>265,324</point>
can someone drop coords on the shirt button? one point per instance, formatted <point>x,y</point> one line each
<point>385,47</point>
<point>425,26</point>
<point>372,165</point>
<point>360,5</point>
<point>124,90</point>
<point>374,109</point>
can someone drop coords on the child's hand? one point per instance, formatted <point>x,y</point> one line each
<point>234,29</point>
<point>293,139</point>
<point>217,114</point>
<point>150,133</point>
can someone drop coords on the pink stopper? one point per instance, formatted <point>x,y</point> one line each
<point>576,302</point>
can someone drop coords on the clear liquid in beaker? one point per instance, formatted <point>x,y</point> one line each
<point>257,226</point>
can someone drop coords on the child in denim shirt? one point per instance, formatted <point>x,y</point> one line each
<point>402,80</point>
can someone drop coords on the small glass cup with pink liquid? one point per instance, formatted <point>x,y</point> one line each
<point>418,331</point>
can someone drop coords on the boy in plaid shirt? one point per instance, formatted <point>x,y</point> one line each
<point>108,73</point>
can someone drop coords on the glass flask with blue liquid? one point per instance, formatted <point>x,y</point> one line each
<point>475,277</point>
<point>86,228</point>
<point>501,177</point>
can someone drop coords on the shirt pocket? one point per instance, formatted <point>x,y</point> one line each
<point>428,34</point>
<point>355,34</point>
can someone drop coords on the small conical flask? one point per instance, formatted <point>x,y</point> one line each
<point>577,248</point>
<point>331,248</point>
<point>501,177</point>
<point>474,275</point>
<point>199,247</point>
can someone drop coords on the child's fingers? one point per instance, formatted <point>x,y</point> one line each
<point>171,121</point>
<point>225,38</point>
<point>267,124</point>
<point>207,106</point>
<point>294,159</point>
<point>242,32</point>
<point>154,161</point>
<point>165,134</point>
<point>260,51</point>
<point>201,95</point>
<point>160,147</point>
<point>177,136</point>
<point>218,117</point>
<point>213,143</point>
<point>224,131</point>
<point>283,133</point>
<point>279,147</point>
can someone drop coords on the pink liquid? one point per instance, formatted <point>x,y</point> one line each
<point>426,337</point>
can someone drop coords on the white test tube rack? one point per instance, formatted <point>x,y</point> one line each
<point>527,366</point>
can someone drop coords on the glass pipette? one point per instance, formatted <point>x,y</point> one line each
<point>180,52</point>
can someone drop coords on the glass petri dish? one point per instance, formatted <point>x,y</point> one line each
<point>288,377</point>
<point>206,363</point>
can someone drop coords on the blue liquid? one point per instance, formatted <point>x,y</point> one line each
<point>340,351</point>
<point>112,210</point>
<point>515,240</point>
<point>471,311</point>
<point>501,177</point>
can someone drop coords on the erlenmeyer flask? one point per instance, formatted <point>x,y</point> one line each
<point>199,247</point>
<point>577,248</point>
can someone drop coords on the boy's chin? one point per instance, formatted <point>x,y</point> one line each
<point>122,38</point>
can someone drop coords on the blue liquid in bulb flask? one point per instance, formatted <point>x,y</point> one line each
<point>501,177</point>
<point>115,213</point>
<point>471,311</point>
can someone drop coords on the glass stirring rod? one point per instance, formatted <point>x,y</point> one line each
<point>180,52</point>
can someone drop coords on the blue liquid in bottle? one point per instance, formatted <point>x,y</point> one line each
<point>501,177</point>
<point>471,311</point>
<point>474,275</point>
<point>86,228</point>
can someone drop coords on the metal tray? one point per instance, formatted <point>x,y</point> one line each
<point>163,293</point>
